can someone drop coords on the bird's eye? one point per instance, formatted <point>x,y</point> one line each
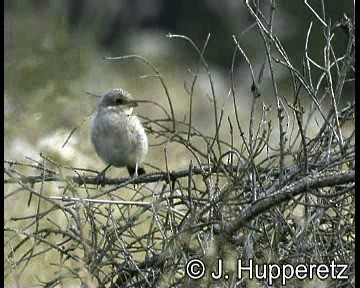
<point>119,101</point>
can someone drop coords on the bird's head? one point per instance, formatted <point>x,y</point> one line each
<point>118,99</point>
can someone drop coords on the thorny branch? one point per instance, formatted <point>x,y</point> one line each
<point>286,187</point>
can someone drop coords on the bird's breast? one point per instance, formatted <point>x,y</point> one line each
<point>119,139</point>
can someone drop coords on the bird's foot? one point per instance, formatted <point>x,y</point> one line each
<point>99,179</point>
<point>136,171</point>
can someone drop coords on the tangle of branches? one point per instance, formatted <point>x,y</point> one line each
<point>287,201</point>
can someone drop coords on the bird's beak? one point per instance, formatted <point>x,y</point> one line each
<point>131,103</point>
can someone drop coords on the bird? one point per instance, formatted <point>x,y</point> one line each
<point>117,134</point>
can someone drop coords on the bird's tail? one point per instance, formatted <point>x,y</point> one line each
<point>140,171</point>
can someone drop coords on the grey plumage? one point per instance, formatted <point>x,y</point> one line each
<point>117,135</point>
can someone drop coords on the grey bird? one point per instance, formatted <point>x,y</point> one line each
<point>117,135</point>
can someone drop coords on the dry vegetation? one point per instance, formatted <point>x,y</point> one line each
<point>287,201</point>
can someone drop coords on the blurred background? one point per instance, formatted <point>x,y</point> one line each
<point>54,53</point>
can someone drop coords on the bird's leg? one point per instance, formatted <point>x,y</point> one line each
<point>136,175</point>
<point>136,170</point>
<point>101,176</point>
<point>133,173</point>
